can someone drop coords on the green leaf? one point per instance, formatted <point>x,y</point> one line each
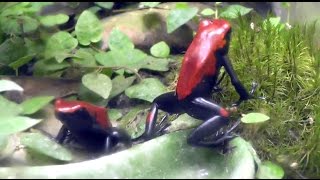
<point>208,12</point>
<point>88,28</point>
<point>44,145</point>
<point>184,121</point>
<point>34,104</point>
<point>160,49</point>
<point>269,170</point>
<point>11,50</point>
<point>133,59</point>
<point>85,57</point>
<point>119,84</point>
<point>166,157</point>
<point>18,24</point>
<point>8,108</point>
<point>7,85</point>
<point>52,20</point>
<point>119,41</point>
<point>179,16</point>
<point>60,45</point>
<point>14,124</point>
<point>105,5</point>
<point>114,114</point>
<point>49,66</point>
<point>234,10</point>
<point>254,118</point>
<point>156,64</point>
<point>148,89</point>
<point>149,4</point>
<point>98,83</point>
<point>21,61</point>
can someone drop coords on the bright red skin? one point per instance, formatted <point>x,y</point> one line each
<point>199,60</point>
<point>100,113</point>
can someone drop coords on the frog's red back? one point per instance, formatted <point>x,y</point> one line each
<point>199,60</point>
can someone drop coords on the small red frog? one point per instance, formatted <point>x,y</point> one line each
<point>89,125</point>
<point>197,80</point>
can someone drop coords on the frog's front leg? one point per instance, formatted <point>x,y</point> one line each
<point>167,102</point>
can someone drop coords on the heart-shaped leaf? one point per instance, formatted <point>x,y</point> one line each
<point>7,85</point>
<point>32,105</point>
<point>160,49</point>
<point>44,145</point>
<point>88,28</point>
<point>60,45</point>
<point>156,64</point>
<point>119,84</point>
<point>208,12</point>
<point>179,16</point>
<point>233,11</point>
<point>85,57</point>
<point>98,83</point>
<point>14,124</point>
<point>148,89</point>
<point>52,20</point>
<point>254,118</point>
<point>119,41</point>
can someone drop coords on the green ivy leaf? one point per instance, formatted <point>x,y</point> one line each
<point>149,4</point>
<point>208,12</point>
<point>269,170</point>
<point>11,50</point>
<point>98,83</point>
<point>47,67</point>
<point>52,20</point>
<point>88,28</point>
<point>44,145</point>
<point>234,10</point>
<point>160,49</point>
<point>156,64</point>
<point>119,84</point>
<point>14,124</point>
<point>8,108</point>
<point>85,57</point>
<point>254,118</point>
<point>7,85</point>
<point>148,89</point>
<point>59,46</point>
<point>21,61</point>
<point>133,59</point>
<point>119,41</point>
<point>105,5</point>
<point>32,105</point>
<point>114,114</point>
<point>179,16</point>
<point>18,24</point>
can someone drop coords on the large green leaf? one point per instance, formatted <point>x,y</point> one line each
<point>18,24</point>
<point>119,84</point>
<point>60,46</point>
<point>269,170</point>
<point>49,66</point>
<point>98,83</point>
<point>34,104</point>
<point>233,11</point>
<point>133,59</point>
<point>7,85</point>
<point>8,108</point>
<point>118,41</point>
<point>179,16</point>
<point>14,124</point>
<point>166,157</point>
<point>52,20</point>
<point>11,50</point>
<point>88,28</point>
<point>44,145</point>
<point>148,89</point>
<point>156,64</point>
<point>85,57</point>
<point>161,50</point>
<point>254,118</point>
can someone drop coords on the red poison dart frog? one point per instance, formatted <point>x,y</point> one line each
<point>197,80</point>
<point>89,125</point>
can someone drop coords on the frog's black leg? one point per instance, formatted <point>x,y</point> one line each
<point>62,135</point>
<point>167,102</point>
<point>212,128</point>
